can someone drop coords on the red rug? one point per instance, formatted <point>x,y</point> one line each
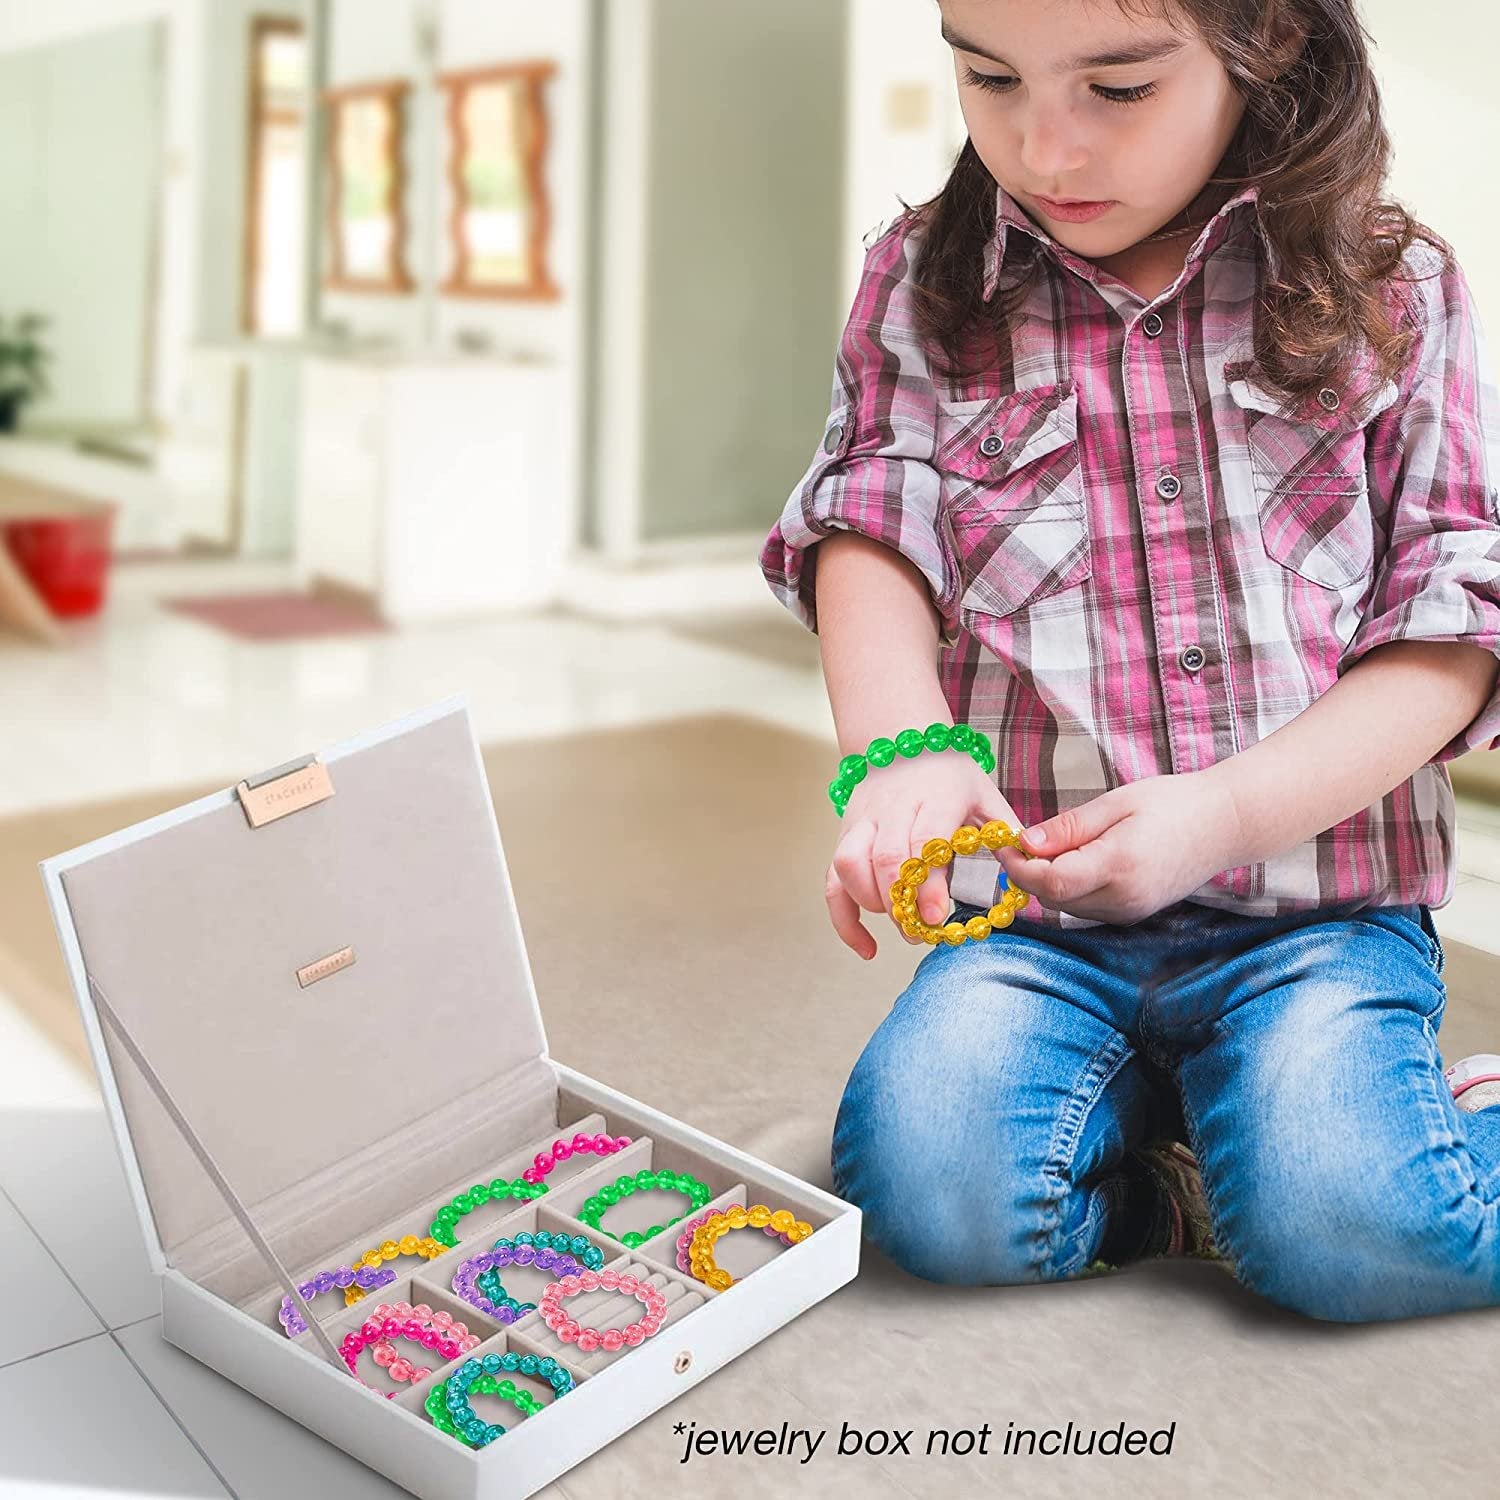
<point>277,616</point>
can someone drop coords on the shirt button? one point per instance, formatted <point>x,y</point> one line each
<point>832,438</point>
<point>1152,324</point>
<point>1328,399</point>
<point>1192,658</point>
<point>1169,486</point>
<point>992,446</point>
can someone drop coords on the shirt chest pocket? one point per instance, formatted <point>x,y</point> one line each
<point>1308,475</point>
<point>1012,496</point>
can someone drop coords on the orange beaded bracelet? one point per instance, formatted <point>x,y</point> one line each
<point>428,1249</point>
<point>701,1252</point>
<point>936,852</point>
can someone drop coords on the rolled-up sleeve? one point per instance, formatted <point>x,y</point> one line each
<point>873,471</point>
<point>1436,455</point>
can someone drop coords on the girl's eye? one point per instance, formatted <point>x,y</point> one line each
<point>1003,83</point>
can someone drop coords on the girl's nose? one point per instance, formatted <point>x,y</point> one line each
<point>1052,148</point>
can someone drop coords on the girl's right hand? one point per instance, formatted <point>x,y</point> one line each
<point>893,812</point>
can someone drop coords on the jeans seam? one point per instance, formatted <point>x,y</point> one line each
<point>1195,1141</point>
<point>1111,1055</point>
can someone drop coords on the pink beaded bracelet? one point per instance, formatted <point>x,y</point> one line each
<point>600,1145</point>
<point>685,1239</point>
<point>375,1330</point>
<point>612,1339</point>
<point>440,1323</point>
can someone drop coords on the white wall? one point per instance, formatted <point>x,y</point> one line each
<point>26,24</point>
<point>1436,70</point>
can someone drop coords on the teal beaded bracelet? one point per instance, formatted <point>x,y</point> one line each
<point>909,743</point>
<point>622,1187</point>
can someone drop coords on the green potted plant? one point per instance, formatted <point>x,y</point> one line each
<point>23,366</point>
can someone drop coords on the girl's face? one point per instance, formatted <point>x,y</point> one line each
<point>1053,118</point>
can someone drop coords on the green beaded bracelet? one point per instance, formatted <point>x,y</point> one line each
<point>449,1214</point>
<point>909,743</point>
<point>622,1187</point>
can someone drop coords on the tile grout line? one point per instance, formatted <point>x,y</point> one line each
<point>106,1331</point>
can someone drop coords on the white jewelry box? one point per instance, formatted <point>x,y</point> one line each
<point>343,1108</point>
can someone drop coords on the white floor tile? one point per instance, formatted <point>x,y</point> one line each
<point>82,1419</point>
<point>62,1170</point>
<point>42,1308</point>
<point>257,1450</point>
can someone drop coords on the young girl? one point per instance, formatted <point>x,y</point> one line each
<point>1164,453</point>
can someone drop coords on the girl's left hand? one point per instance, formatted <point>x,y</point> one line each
<point>1126,855</point>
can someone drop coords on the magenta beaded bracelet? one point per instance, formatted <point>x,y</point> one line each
<point>685,1239</point>
<point>378,1330</point>
<point>600,1145</point>
<point>441,1323</point>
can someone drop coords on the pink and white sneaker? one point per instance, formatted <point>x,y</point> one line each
<point>1475,1081</point>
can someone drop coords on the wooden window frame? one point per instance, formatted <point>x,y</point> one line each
<point>261,26</point>
<point>397,279</point>
<point>456,85</point>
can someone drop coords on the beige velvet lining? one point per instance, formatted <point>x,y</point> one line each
<point>343,1102</point>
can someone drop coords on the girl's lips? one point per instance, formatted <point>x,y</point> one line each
<point>1075,213</point>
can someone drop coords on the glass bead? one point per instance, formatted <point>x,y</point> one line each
<point>653,1231</point>
<point>978,928</point>
<point>782,1220</point>
<point>953,933</point>
<point>589,1340</point>
<point>627,1186</point>
<point>966,840</point>
<point>912,872</point>
<point>610,1193</point>
<point>961,737</point>
<point>491,1363</point>
<point>881,752</point>
<point>1001,916</point>
<point>720,1281</point>
<point>579,1245</point>
<point>937,736</point>
<point>408,1244</point>
<point>800,1231</point>
<point>760,1216</point>
<point>937,851</point>
<point>737,1218</point>
<point>613,1340</point>
<point>635,1336</point>
<point>649,1179</point>
<point>1022,898</point>
<point>909,743</point>
<point>853,769</point>
<point>463,1204</point>
<point>632,1241</point>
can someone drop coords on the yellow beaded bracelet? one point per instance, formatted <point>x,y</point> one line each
<point>428,1249</point>
<point>706,1236</point>
<point>935,852</point>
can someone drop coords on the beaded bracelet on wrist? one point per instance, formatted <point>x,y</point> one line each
<point>908,744</point>
<point>449,1214</point>
<point>596,1207</point>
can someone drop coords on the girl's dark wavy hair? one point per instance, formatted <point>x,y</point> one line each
<point>1313,139</point>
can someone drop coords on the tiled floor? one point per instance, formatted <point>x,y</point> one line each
<point>156,700</point>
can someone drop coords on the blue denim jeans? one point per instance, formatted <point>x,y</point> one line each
<point>985,1129</point>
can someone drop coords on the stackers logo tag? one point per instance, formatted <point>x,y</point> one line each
<point>313,972</point>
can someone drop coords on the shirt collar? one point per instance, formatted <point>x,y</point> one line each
<point>1009,215</point>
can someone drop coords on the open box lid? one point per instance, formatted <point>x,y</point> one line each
<point>307,987</point>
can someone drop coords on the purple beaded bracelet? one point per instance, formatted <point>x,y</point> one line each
<point>685,1239</point>
<point>466,1278</point>
<point>367,1277</point>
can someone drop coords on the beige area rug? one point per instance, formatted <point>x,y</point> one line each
<point>669,884</point>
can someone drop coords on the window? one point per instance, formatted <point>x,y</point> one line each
<point>271,293</point>
<point>366,188</point>
<point>499,219</point>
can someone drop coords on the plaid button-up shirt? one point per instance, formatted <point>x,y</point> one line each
<point>1142,561</point>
